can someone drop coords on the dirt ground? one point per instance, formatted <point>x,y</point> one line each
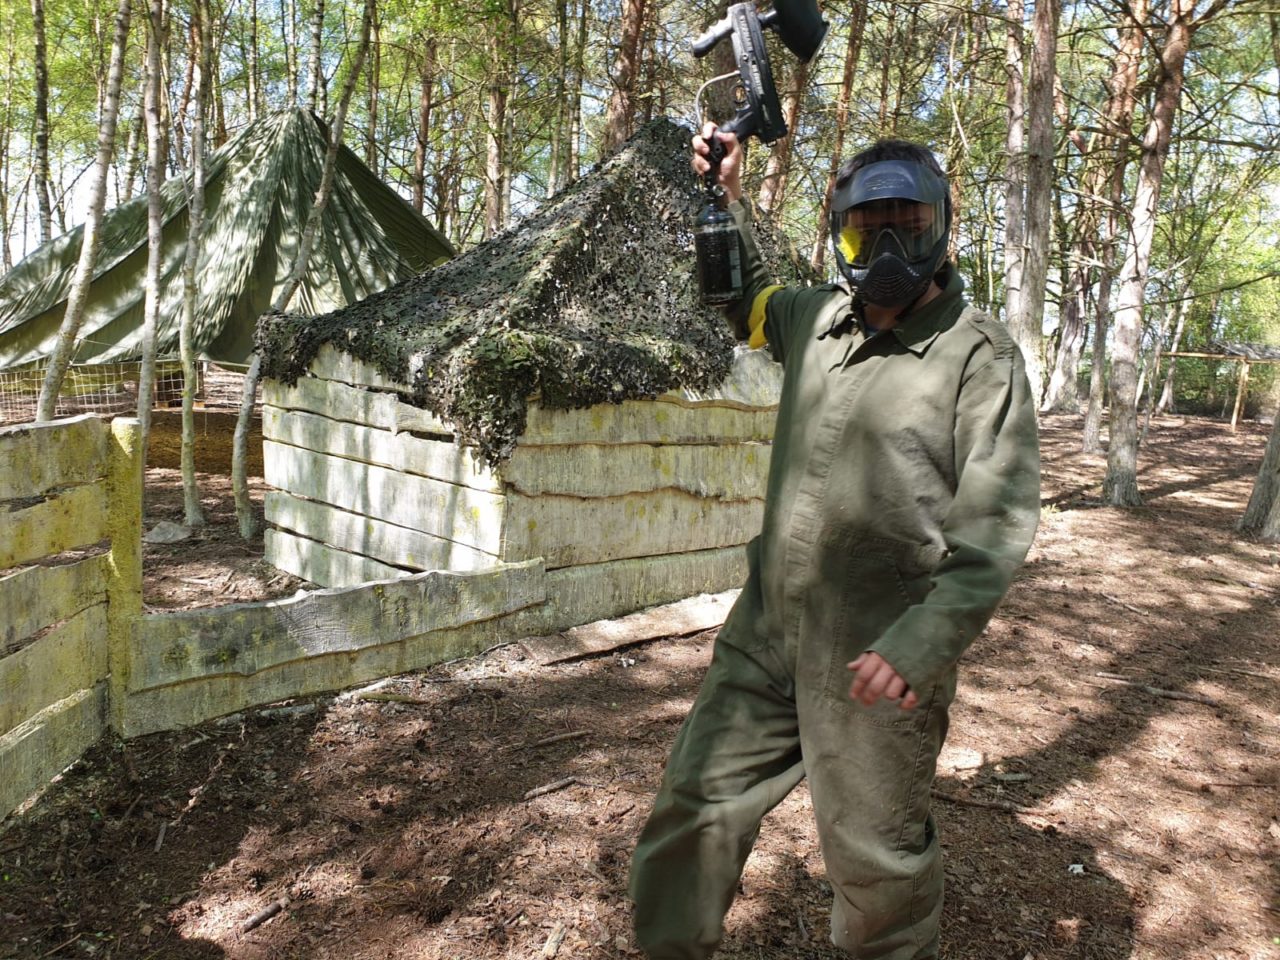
<point>1109,788</point>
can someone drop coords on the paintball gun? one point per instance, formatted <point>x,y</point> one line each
<point>759,114</point>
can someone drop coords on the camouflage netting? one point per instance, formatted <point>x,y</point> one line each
<point>592,299</point>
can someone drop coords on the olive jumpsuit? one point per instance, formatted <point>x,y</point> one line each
<point>903,494</point>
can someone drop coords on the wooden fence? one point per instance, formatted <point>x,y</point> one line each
<point>79,657</point>
<point>70,549</point>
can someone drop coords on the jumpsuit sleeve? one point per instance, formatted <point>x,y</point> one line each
<point>987,529</point>
<point>762,316</point>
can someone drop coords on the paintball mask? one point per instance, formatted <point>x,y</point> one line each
<point>889,227</point>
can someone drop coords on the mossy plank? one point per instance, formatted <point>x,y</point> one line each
<point>37,457</point>
<point>471,517</point>
<point>322,564</point>
<point>37,597</point>
<point>38,749</point>
<point>598,591</point>
<point>573,596</point>
<point>69,658</point>
<point>340,401</point>
<point>438,459</point>
<point>568,531</point>
<point>74,518</point>
<point>646,421</point>
<point>730,471</point>
<point>246,639</point>
<point>368,537</point>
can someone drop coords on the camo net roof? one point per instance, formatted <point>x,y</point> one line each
<point>592,299</point>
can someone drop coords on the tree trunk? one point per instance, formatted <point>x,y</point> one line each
<point>155,224</point>
<point>1120,485</point>
<point>6,141</point>
<point>375,75</point>
<point>1262,515</point>
<point>42,176</point>
<point>1119,119</point>
<point>495,187</point>
<point>618,120</point>
<point>184,103</point>
<point>240,442</point>
<point>1166,403</point>
<point>773,190</point>
<point>575,112</point>
<point>1015,221</point>
<point>77,296</point>
<point>426,78</point>
<point>852,51</point>
<point>315,86</point>
<point>289,29</point>
<point>1038,232</point>
<point>555,168</point>
<point>200,57</point>
<point>253,84</point>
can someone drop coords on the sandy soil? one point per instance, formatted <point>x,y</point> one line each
<point>1109,789</point>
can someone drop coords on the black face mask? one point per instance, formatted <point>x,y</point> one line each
<point>892,281</point>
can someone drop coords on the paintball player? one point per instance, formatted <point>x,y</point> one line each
<point>903,493</point>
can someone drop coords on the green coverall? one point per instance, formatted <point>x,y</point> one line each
<point>903,494</point>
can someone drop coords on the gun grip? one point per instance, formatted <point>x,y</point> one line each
<point>712,177</point>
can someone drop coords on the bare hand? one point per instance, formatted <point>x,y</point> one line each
<point>730,166</point>
<point>874,677</point>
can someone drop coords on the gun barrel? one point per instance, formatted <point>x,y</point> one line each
<point>712,35</point>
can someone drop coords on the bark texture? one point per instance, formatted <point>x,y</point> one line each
<point>1120,485</point>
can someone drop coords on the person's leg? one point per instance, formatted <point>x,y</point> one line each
<point>870,772</point>
<point>737,756</point>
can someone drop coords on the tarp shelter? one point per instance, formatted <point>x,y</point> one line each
<point>260,188</point>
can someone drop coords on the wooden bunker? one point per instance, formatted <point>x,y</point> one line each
<point>555,395</point>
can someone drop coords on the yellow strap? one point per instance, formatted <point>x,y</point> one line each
<point>755,322</point>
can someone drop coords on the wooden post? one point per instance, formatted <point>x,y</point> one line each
<point>124,566</point>
<point>1241,387</point>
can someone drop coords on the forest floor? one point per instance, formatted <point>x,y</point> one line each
<point>1109,789</point>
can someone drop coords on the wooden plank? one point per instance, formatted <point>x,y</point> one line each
<point>37,750</point>
<point>37,597</point>
<point>691,615</point>
<point>69,658</point>
<point>439,459</point>
<point>730,471</point>
<point>471,517</point>
<point>331,363</point>
<point>353,404</point>
<point>37,457</point>
<point>246,639</point>
<point>575,595</point>
<point>568,531</point>
<point>385,542</point>
<point>646,421</point>
<point>754,383</point>
<point>74,518</point>
<point>124,569</point>
<point>322,564</point>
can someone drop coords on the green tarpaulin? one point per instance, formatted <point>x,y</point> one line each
<point>261,186</point>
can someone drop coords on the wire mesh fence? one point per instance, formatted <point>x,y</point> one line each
<point>111,389</point>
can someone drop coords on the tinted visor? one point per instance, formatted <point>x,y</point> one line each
<point>905,228</point>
